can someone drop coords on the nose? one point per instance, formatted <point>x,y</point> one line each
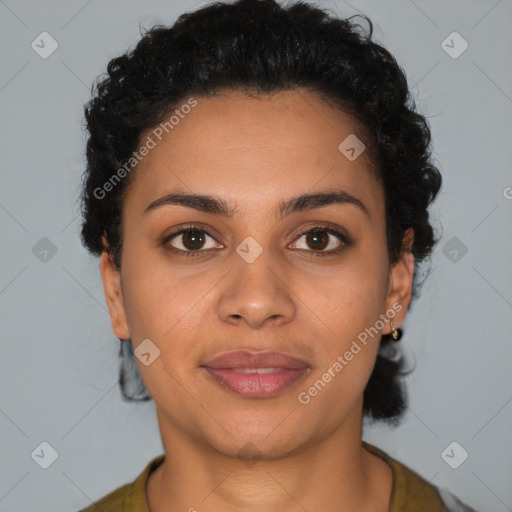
<point>257,293</point>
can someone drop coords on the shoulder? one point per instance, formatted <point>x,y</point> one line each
<point>129,497</point>
<point>412,493</point>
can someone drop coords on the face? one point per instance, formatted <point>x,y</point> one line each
<point>249,278</point>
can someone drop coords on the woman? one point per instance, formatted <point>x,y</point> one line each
<point>257,190</point>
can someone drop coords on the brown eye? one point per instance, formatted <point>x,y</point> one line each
<point>317,239</point>
<point>190,241</point>
<point>193,240</point>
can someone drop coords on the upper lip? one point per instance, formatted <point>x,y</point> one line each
<point>249,359</point>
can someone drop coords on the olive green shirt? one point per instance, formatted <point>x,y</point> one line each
<point>410,493</point>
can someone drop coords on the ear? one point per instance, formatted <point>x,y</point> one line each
<point>400,281</point>
<point>114,296</point>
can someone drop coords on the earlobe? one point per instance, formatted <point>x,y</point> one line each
<point>401,280</point>
<point>111,278</point>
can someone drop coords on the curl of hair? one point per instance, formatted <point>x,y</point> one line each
<point>261,47</point>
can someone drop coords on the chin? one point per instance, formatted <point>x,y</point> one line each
<point>267,437</point>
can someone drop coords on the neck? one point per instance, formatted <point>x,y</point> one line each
<point>331,474</point>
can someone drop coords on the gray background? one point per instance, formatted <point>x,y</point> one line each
<point>59,363</point>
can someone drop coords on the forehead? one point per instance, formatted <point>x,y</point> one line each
<point>254,150</point>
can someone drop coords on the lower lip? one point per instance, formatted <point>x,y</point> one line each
<point>256,385</point>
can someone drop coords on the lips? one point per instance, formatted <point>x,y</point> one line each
<point>255,374</point>
<point>248,359</point>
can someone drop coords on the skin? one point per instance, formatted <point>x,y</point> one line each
<point>255,153</point>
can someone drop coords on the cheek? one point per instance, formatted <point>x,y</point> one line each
<point>163,308</point>
<point>167,304</point>
<point>147,292</point>
<point>350,306</point>
<point>347,349</point>
<point>352,297</point>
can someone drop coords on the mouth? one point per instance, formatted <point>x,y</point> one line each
<point>255,374</point>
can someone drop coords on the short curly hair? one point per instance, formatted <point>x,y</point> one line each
<point>261,47</point>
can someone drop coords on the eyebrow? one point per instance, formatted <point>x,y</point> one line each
<point>218,206</point>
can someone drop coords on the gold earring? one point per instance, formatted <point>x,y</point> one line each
<point>396,332</point>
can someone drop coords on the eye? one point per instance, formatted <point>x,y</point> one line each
<point>189,240</point>
<point>317,239</point>
<point>192,240</point>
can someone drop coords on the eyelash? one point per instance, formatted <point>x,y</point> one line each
<point>327,228</point>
